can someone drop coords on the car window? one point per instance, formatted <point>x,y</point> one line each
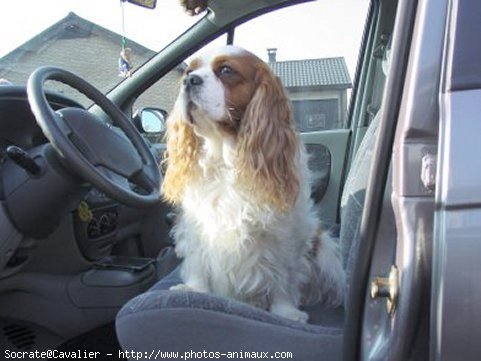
<point>164,92</point>
<point>313,48</point>
<point>87,42</point>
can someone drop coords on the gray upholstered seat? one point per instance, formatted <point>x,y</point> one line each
<point>186,321</point>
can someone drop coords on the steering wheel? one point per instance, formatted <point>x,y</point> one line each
<point>119,163</point>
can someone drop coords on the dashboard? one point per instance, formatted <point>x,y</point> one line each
<point>98,221</point>
<point>17,123</point>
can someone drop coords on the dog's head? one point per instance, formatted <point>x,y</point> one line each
<point>229,94</point>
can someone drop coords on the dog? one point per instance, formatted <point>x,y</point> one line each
<point>237,170</point>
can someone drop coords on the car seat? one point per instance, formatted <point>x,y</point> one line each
<point>190,322</point>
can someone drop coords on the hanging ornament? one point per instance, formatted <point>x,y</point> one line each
<point>125,63</point>
<point>125,59</point>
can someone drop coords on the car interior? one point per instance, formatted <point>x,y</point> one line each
<point>86,259</point>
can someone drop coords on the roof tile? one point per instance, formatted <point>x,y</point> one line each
<point>312,72</point>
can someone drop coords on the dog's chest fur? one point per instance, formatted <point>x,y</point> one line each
<point>219,209</point>
<point>241,248</point>
<point>226,234</point>
<point>236,243</point>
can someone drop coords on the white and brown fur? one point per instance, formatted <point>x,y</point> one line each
<point>237,170</point>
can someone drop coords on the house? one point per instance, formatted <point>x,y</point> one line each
<point>58,45</point>
<point>317,89</point>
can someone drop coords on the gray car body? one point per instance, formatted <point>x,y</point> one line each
<point>437,219</point>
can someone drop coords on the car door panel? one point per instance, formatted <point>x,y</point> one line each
<point>327,182</point>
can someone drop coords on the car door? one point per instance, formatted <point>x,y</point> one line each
<point>389,317</point>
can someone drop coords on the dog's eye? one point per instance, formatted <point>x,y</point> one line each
<point>225,70</point>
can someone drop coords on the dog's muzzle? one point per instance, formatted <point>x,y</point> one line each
<point>191,81</point>
<point>192,84</point>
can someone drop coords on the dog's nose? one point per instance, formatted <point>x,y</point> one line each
<point>192,80</point>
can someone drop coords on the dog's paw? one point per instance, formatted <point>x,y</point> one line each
<point>181,287</point>
<point>291,313</point>
<point>187,288</point>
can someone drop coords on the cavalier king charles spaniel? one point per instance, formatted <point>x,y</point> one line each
<point>237,170</point>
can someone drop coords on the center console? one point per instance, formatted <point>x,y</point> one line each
<point>112,282</point>
<point>100,222</point>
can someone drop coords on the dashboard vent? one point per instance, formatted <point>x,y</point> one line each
<point>21,337</point>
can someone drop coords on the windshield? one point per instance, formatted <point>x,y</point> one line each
<point>101,41</point>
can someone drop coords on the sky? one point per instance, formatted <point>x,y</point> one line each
<point>321,29</point>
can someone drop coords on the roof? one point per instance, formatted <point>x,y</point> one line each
<point>71,26</point>
<point>75,44</point>
<point>313,72</point>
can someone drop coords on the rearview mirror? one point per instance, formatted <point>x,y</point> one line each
<point>149,4</point>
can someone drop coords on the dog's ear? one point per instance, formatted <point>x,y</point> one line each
<point>268,144</point>
<point>181,157</point>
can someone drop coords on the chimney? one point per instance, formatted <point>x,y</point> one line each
<point>271,53</point>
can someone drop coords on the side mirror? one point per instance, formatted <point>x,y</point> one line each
<point>150,120</point>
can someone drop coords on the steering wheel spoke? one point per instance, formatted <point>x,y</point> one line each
<point>115,177</point>
<point>62,124</point>
<point>145,178</point>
